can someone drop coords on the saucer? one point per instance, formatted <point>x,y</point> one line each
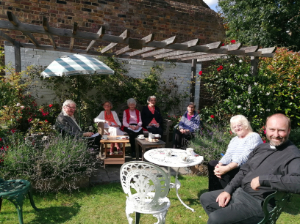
<point>142,138</point>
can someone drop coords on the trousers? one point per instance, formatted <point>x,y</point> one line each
<point>242,208</point>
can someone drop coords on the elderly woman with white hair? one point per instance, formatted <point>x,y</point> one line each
<point>151,117</point>
<point>112,124</point>
<point>132,123</point>
<point>221,172</point>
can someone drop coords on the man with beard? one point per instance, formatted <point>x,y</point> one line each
<point>271,167</point>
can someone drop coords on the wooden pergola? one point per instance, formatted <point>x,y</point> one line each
<point>124,46</point>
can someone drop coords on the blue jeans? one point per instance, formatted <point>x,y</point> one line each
<point>242,208</point>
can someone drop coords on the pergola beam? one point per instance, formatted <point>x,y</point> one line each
<point>46,28</point>
<point>123,35</point>
<point>99,34</point>
<point>16,23</point>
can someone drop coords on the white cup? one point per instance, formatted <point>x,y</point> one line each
<point>190,151</point>
<point>156,135</point>
<point>169,152</point>
<point>141,136</point>
<point>184,157</point>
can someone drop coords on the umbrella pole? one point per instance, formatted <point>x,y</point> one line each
<point>79,103</point>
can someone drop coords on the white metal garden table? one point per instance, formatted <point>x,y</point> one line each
<point>160,157</point>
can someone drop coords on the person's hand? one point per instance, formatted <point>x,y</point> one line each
<point>109,123</point>
<point>223,199</point>
<point>221,170</point>
<point>157,125</point>
<point>255,183</point>
<point>88,134</point>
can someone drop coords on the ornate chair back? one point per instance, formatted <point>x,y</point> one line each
<point>145,184</point>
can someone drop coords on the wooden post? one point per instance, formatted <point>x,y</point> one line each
<point>17,56</point>
<point>254,65</point>
<point>193,80</point>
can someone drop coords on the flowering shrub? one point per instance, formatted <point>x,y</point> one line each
<point>175,120</point>
<point>211,141</point>
<point>274,90</point>
<point>61,161</point>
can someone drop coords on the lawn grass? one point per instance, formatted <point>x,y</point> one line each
<point>106,204</point>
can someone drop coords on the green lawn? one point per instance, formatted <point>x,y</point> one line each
<point>106,204</point>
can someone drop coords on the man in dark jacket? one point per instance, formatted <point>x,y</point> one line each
<point>271,167</point>
<point>67,125</point>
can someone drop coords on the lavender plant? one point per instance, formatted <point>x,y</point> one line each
<point>211,141</point>
<point>55,166</point>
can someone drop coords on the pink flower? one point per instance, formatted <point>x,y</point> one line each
<point>50,105</point>
<point>264,141</point>
<point>233,41</point>
<point>0,139</point>
<point>29,120</point>
<point>212,116</point>
<point>46,121</point>
<point>264,131</point>
<point>200,73</point>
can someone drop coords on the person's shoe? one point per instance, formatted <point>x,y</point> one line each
<point>111,153</point>
<point>120,152</point>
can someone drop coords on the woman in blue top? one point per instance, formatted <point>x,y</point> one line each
<point>188,125</point>
<point>220,173</point>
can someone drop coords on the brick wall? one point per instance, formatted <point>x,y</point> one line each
<point>187,19</point>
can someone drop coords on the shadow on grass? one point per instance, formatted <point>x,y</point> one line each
<point>56,214</point>
<point>293,207</point>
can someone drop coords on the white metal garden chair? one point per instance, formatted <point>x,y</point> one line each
<point>147,187</point>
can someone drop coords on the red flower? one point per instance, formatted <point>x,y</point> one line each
<point>46,121</point>
<point>212,116</point>
<point>13,130</point>
<point>200,73</point>
<point>222,44</point>
<point>0,139</point>
<point>50,105</point>
<point>233,41</point>
<point>220,68</point>
<point>29,120</point>
<point>264,141</point>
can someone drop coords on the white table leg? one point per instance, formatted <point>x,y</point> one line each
<point>177,186</point>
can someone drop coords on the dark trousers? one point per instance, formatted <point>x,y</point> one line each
<point>215,183</point>
<point>242,208</point>
<point>155,130</point>
<point>182,140</point>
<point>132,136</point>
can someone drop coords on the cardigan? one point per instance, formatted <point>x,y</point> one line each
<point>101,118</point>
<point>147,116</point>
<point>192,125</point>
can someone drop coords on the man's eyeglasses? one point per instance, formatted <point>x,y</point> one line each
<point>73,108</point>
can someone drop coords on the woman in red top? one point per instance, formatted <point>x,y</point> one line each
<point>151,117</point>
<point>132,123</point>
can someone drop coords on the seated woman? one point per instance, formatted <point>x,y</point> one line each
<point>112,124</point>
<point>67,125</point>
<point>132,123</point>
<point>151,117</point>
<point>188,125</point>
<point>221,172</point>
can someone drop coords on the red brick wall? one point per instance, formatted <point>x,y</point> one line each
<point>187,19</point>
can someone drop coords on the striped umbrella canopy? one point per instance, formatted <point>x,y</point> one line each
<point>76,64</point>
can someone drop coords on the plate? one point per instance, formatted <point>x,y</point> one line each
<point>141,138</point>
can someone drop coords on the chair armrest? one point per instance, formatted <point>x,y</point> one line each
<point>168,124</point>
<point>281,198</point>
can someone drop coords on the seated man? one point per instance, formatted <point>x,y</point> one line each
<point>66,123</point>
<point>271,167</point>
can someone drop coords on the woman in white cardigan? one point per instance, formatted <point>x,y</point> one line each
<point>112,124</point>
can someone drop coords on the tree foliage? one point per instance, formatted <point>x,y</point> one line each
<point>263,22</point>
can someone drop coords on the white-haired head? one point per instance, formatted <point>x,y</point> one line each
<point>131,101</point>
<point>240,120</point>
<point>150,97</point>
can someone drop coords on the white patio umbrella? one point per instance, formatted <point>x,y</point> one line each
<point>76,65</point>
